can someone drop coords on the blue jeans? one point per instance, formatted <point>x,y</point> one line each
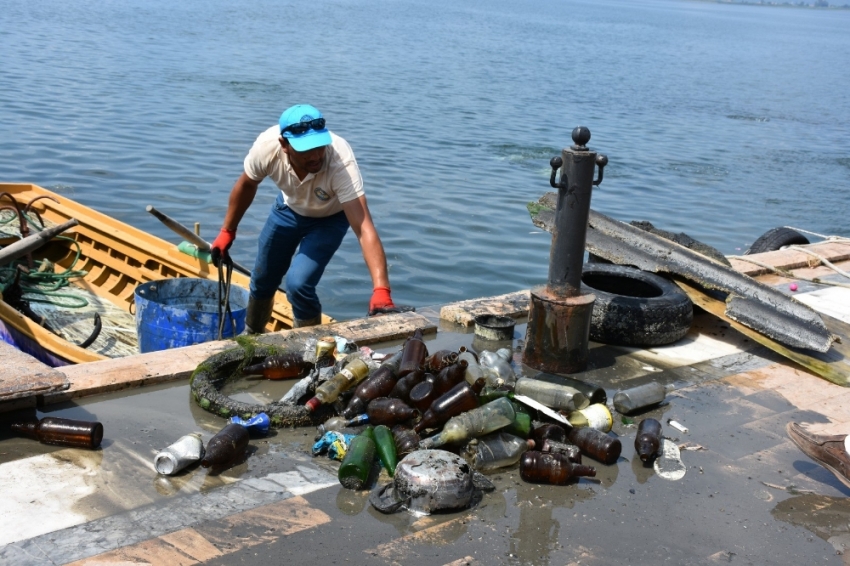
<point>316,240</point>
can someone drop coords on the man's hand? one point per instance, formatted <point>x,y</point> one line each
<point>381,302</point>
<point>221,244</point>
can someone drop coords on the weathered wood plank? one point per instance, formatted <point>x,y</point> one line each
<point>514,305</point>
<point>172,365</point>
<point>21,375</point>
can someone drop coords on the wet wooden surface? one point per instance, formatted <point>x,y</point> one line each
<point>23,376</point>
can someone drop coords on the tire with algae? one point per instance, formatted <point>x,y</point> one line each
<point>213,373</point>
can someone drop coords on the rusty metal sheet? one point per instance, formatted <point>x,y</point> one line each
<point>753,304</point>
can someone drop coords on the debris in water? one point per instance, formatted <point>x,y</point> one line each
<point>669,464</point>
<point>183,453</point>
<point>678,426</point>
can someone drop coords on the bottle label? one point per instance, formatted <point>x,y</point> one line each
<point>347,373</point>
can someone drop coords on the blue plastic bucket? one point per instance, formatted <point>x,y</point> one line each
<point>183,311</point>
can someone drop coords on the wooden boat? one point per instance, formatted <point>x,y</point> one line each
<point>115,258</point>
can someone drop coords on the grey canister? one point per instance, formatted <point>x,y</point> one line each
<point>186,451</point>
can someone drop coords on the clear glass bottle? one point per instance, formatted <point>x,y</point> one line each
<point>640,397</point>
<point>475,423</point>
<point>349,376</point>
<point>500,362</point>
<point>553,395</point>
<point>496,450</point>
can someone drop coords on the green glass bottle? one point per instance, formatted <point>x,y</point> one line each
<point>385,445</point>
<point>357,464</point>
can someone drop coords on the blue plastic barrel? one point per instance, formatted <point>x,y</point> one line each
<point>180,312</point>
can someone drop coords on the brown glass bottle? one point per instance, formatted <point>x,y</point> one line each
<point>572,452</point>
<point>648,439</point>
<point>551,468</point>
<point>379,384</point>
<point>284,366</point>
<point>406,440</point>
<point>596,444</point>
<point>389,412</point>
<point>439,360</point>
<point>413,353</point>
<point>449,377</point>
<point>423,394</point>
<point>62,432</point>
<point>227,446</point>
<point>459,399</point>
<point>548,431</point>
<point>405,384</point>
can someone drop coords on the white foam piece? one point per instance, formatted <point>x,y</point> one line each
<point>296,484</point>
<point>832,301</point>
<point>694,348</point>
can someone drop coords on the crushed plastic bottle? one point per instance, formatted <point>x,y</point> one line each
<point>499,362</point>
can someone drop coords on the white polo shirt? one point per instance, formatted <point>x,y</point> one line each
<point>319,194</point>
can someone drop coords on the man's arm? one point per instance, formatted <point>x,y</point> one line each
<point>357,212</point>
<point>241,197</point>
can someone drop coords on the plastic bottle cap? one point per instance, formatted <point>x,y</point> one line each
<point>313,404</point>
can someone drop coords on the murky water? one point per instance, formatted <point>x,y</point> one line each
<point>719,120</point>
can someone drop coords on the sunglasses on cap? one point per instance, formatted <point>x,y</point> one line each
<point>302,127</point>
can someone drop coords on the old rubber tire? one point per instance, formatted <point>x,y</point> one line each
<point>776,238</point>
<point>635,307</point>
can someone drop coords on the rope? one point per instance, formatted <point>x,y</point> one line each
<point>225,271</point>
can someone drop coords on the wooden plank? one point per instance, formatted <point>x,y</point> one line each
<point>833,365</point>
<point>179,363</point>
<point>21,375</point>
<point>514,305</point>
<point>792,259</point>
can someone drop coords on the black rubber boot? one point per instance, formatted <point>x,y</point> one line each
<point>259,312</point>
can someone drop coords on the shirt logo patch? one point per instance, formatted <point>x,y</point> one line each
<point>321,194</point>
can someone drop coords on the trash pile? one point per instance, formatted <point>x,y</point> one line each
<point>435,422</point>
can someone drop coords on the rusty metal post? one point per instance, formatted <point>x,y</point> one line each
<point>559,318</point>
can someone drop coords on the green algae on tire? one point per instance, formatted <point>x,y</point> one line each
<point>212,374</point>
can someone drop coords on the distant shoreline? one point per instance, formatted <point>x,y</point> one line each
<point>780,4</point>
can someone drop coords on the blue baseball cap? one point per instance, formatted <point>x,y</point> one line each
<point>304,126</point>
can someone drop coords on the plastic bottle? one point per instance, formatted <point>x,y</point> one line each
<point>183,453</point>
<point>357,465</point>
<point>413,354</point>
<point>548,431</point>
<point>593,416</point>
<point>386,411</point>
<point>551,468</point>
<point>571,451</point>
<point>406,440</point>
<point>596,444</point>
<point>553,395</point>
<point>379,384</point>
<point>475,423</point>
<point>283,366</point>
<point>405,384</point>
<point>459,399</point>
<point>385,446</point>
<point>499,361</point>
<point>62,432</point>
<point>439,360</point>
<point>349,376</point>
<point>496,450</point>
<point>640,397</point>
<point>336,424</point>
<point>227,446</point>
<point>648,439</point>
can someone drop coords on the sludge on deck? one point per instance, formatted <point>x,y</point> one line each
<point>748,494</point>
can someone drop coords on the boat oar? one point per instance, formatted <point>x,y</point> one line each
<point>190,236</point>
<point>31,243</point>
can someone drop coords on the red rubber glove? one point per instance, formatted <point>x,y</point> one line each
<point>221,244</point>
<point>381,301</point>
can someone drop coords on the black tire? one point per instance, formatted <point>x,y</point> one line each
<point>634,307</point>
<point>776,238</point>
